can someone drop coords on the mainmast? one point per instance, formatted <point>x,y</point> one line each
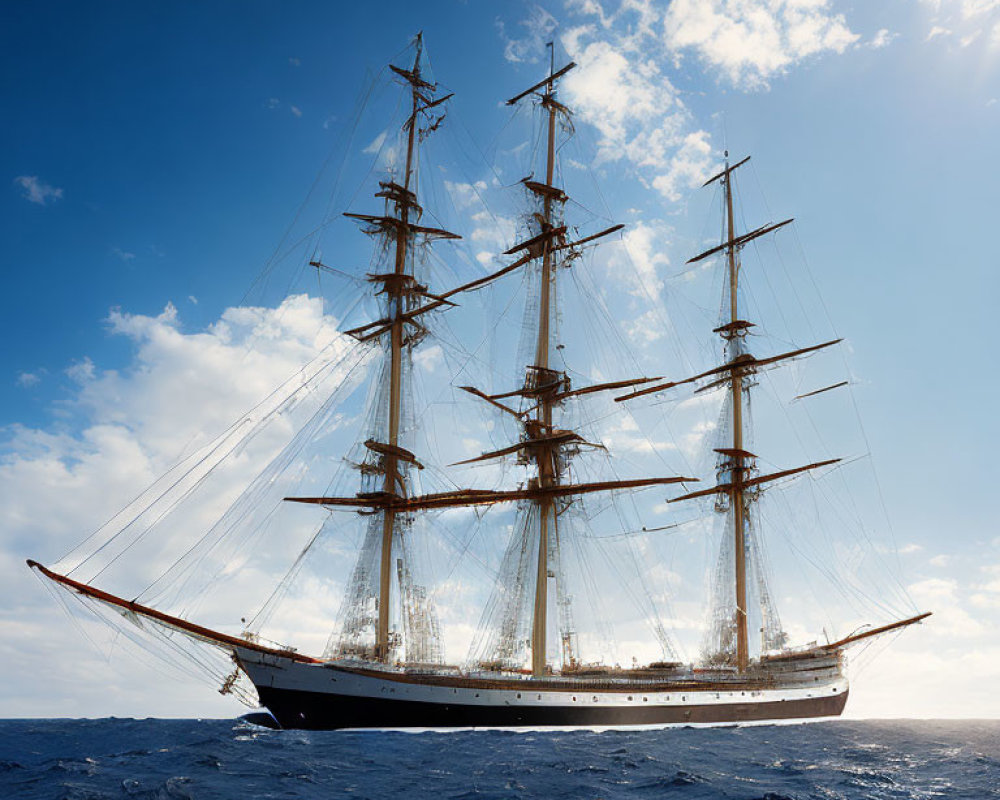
<point>738,455</point>
<point>545,454</point>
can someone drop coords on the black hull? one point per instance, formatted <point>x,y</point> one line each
<point>322,711</point>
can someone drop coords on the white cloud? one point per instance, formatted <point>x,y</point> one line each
<point>124,255</point>
<point>645,329</point>
<point>644,244</point>
<point>295,62</point>
<point>28,379</point>
<point>636,109</point>
<point>180,390</point>
<point>36,190</point>
<point>530,48</point>
<point>466,195</point>
<point>752,41</point>
<point>429,358</point>
<point>296,111</point>
<point>82,371</point>
<point>687,167</point>
<point>883,38</point>
<point>376,144</point>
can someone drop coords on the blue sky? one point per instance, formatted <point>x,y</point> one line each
<point>154,157</point>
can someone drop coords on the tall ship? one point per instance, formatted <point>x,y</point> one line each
<point>384,665</point>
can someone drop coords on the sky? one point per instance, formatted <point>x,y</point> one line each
<point>160,162</point>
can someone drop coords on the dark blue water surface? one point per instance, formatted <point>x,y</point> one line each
<point>115,758</point>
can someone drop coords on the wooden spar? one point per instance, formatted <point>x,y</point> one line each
<point>416,82</point>
<point>725,172</point>
<point>535,243</point>
<point>857,637</point>
<point>603,387</point>
<point>483,396</point>
<point>727,488</point>
<point>399,453</point>
<point>197,631</point>
<point>393,476</point>
<point>547,82</point>
<point>480,497</point>
<point>382,222</point>
<point>739,241</point>
<point>820,391</point>
<point>558,437</point>
<point>739,468</point>
<point>598,235</point>
<point>744,363</point>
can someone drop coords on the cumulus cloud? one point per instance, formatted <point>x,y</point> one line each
<point>635,108</point>
<point>644,244</point>
<point>127,427</point>
<point>38,191</point>
<point>751,41</point>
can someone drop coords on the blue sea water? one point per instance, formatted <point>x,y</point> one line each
<point>122,758</point>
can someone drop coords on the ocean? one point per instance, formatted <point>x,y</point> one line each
<point>154,758</point>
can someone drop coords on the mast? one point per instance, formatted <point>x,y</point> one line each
<point>399,224</point>
<point>545,455</point>
<point>738,467</point>
<point>393,482</point>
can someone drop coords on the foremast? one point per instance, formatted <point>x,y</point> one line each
<point>405,201</point>
<point>402,332</point>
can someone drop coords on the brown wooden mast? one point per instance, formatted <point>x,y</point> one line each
<point>739,467</point>
<point>544,451</point>
<point>736,460</point>
<point>401,290</point>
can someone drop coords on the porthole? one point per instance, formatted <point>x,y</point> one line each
<point>574,699</point>
<point>595,698</point>
<point>518,695</point>
<point>645,699</point>
<point>630,697</point>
